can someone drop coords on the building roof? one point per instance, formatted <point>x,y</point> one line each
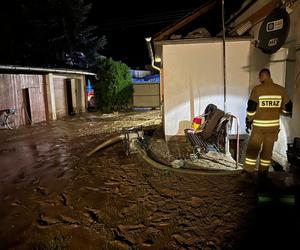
<point>165,33</point>
<point>240,16</point>
<point>205,21</point>
<point>13,68</point>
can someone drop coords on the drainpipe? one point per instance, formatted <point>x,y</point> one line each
<point>224,73</point>
<point>150,50</point>
<point>224,55</point>
<point>148,41</point>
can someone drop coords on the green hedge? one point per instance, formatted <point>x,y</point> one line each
<point>113,89</point>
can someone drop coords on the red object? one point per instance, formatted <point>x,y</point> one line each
<point>197,120</point>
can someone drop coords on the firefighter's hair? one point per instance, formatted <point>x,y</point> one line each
<point>265,70</point>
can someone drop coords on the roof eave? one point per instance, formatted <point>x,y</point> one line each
<point>45,70</point>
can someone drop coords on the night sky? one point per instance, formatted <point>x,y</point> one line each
<point>127,25</point>
<point>55,33</point>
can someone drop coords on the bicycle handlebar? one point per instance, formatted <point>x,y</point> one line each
<point>9,111</point>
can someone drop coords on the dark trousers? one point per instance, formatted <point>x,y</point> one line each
<point>260,144</point>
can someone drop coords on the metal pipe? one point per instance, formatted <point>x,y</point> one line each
<point>63,71</point>
<point>224,54</point>
<point>224,71</point>
<point>148,41</point>
<point>237,139</point>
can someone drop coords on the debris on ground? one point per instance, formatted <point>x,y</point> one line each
<point>115,122</point>
<point>54,197</point>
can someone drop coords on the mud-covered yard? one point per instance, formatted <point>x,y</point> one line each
<point>54,197</point>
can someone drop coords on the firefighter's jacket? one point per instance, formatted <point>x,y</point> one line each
<point>265,104</point>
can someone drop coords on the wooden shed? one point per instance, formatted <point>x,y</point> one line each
<point>40,94</point>
<point>25,93</point>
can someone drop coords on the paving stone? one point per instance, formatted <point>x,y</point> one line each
<point>179,239</point>
<point>118,245</point>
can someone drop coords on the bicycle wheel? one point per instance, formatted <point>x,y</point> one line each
<point>10,121</point>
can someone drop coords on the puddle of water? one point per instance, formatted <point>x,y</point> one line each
<point>28,156</point>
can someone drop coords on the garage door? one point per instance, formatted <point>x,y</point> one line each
<point>60,97</point>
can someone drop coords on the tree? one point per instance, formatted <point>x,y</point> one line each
<point>83,45</point>
<point>113,89</point>
<point>50,32</point>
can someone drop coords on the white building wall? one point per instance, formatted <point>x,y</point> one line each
<point>193,78</point>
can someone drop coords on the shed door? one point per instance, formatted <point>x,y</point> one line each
<point>60,97</point>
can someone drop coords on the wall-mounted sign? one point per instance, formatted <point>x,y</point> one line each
<point>274,31</point>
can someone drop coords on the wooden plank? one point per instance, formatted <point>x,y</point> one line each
<point>146,101</point>
<point>60,97</point>
<point>162,35</point>
<point>37,99</point>
<point>146,89</point>
<point>6,92</point>
<point>146,95</point>
<point>257,16</point>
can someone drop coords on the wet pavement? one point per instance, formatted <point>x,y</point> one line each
<point>54,197</point>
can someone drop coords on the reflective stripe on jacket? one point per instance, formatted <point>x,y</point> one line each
<point>266,102</point>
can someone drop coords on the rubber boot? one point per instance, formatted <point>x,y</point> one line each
<point>262,182</point>
<point>247,177</point>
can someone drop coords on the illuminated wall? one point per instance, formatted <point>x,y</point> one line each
<point>193,78</point>
<point>295,30</point>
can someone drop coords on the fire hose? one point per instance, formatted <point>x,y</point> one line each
<point>133,137</point>
<point>144,156</point>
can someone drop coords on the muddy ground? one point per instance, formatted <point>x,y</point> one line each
<point>54,197</point>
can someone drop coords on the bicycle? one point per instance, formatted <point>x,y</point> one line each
<point>8,118</point>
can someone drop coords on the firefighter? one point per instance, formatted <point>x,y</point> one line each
<point>267,101</point>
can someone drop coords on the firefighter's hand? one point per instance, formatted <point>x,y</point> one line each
<point>248,127</point>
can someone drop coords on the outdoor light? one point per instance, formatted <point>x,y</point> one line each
<point>148,39</point>
<point>157,59</point>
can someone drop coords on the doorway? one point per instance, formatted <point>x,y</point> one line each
<point>27,108</point>
<point>70,108</point>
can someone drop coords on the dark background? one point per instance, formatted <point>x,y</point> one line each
<point>58,33</point>
<point>127,24</point>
